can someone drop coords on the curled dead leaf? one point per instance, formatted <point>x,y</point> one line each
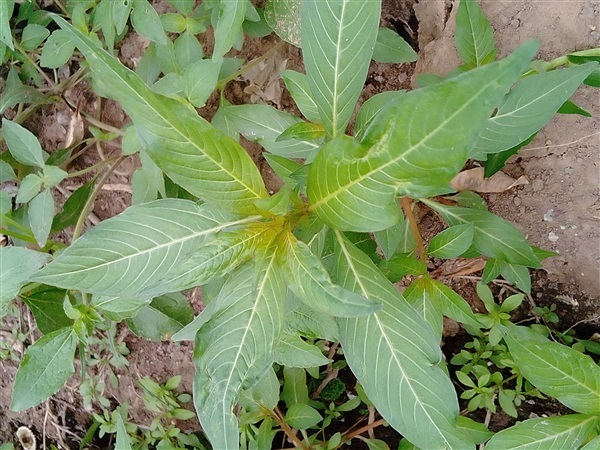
<point>474,180</point>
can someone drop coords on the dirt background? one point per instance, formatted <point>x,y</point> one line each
<point>559,209</point>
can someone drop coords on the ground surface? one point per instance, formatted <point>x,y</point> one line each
<point>559,209</point>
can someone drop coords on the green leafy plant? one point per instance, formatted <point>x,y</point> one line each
<point>283,271</point>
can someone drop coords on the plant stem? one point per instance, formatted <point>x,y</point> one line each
<point>251,64</point>
<point>407,208</point>
<point>94,167</point>
<point>361,430</point>
<point>34,64</point>
<point>276,415</point>
<point>102,125</point>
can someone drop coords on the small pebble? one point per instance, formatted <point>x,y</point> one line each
<point>517,201</point>
<point>552,237</point>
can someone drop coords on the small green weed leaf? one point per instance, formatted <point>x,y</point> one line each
<point>391,48</point>
<point>41,213</point>
<point>353,185</point>
<point>543,433</point>
<point>492,269</point>
<point>295,389</point>
<point>228,25</point>
<point>493,236</point>
<point>33,35</point>
<point>173,22</point>
<point>6,10</point>
<point>396,343</point>
<point>22,144</point>
<point>118,308</point>
<point>338,37</point>
<point>584,56</point>
<point>469,199</point>
<point>477,431</point>
<point>542,253</point>
<point>44,370</point>
<point>496,161</point>
<point>183,6</point>
<point>29,188</point>
<point>375,444</point>
<point>188,50</point>
<point>123,255</point>
<point>557,370</point>
<point>528,107</point>
<point>57,50</point>
<point>283,16</point>
<point>146,22</point>
<point>390,239</point>
<point>264,124</point>
<point>53,175</point>
<point>17,264</point>
<point>169,86</point>
<point>73,207</point>
<point>452,242</point>
<point>187,148</point>
<point>142,190</point>
<point>474,34</point>
<point>46,304</point>
<point>302,416</point>
<point>310,323</point>
<point>265,393</point>
<point>199,81</point>
<point>5,202</point>
<point>297,84</point>
<point>517,275</point>
<point>157,179</point>
<point>401,265</point>
<point>309,280</point>
<point>284,168</point>
<point>302,131</point>
<point>371,108</point>
<point>292,351</point>
<point>102,19</point>
<point>162,318</point>
<point>122,441</point>
<point>570,107</point>
<point>16,92</point>
<point>234,349</point>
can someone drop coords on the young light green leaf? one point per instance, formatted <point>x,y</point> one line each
<point>16,92</point>
<point>309,280</point>
<point>187,148</point>
<point>478,432</point>
<point>302,131</point>
<point>401,265</point>
<point>295,389</point>
<point>157,180</point>
<point>228,26</point>
<point>124,254</point>
<point>292,351</point>
<point>302,416</point>
<point>234,349</point>
<point>41,213</point>
<point>53,175</point>
<point>122,441</point>
<point>17,264</point>
<point>183,6</point>
<point>57,50</point>
<point>297,84</point>
<point>452,242</point>
<point>307,322</point>
<point>6,10</point>
<point>199,81</point>
<point>46,304</point>
<point>474,34</point>
<point>557,370</point>
<point>188,50</point>
<point>283,16</point>
<point>73,207</point>
<point>493,236</point>
<point>162,318</point>
<point>22,144</point>
<point>517,275</point>
<point>389,239</point>
<point>371,108</point>
<point>414,149</point>
<point>338,37</point>
<point>391,48</point>
<point>118,308</point>
<point>173,22</point>
<point>29,188</point>
<point>33,35</point>
<point>545,433</point>
<point>46,367</point>
<point>146,22</point>
<point>396,344</point>
<point>142,190</point>
<point>528,107</point>
<point>264,124</point>
<point>5,202</point>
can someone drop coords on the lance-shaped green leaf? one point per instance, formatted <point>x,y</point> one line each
<point>185,146</point>
<point>44,370</point>
<point>415,148</point>
<point>528,107</point>
<point>292,351</point>
<point>264,124</point>
<point>371,108</point>
<point>297,84</point>
<point>6,9</point>
<point>493,236</point>
<point>234,349</point>
<point>545,433</point>
<point>16,92</point>
<point>338,37</point>
<point>569,376</point>
<point>16,266</point>
<point>391,48</point>
<point>452,242</point>
<point>46,304</point>
<point>117,308</point>
<point>22,144</point>
<point>162,318</point>
<point>230,18</point>
<point>308,322</point>
<point>309,280</point>
<point>395,355</point>
<point>124,254</point>
<point>474,34</point>
<point>283,16</point>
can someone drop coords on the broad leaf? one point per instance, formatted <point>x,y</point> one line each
<point>16,266</point>
<point>302,416</point>
<point>41,213</point>
<point>452,242</point>
<point>6,172</point>
<point>118,308</point>
<point>295,389</point>
<point>264,124</point>
<point>292,351</point>
<point>146,22</point>
<point>46,304</point>
<point>6,10</point>
<point>234,349</point>
<point>30,187</point>
<point>391,48</point>
<point>124,254</point>
<point>16,92</point>
<point>309,280</point>
<point>188,50</point>
<point>401,265</point>
<point>390,239</point>
<point>187,148</point>
<point>200,79</point>
<point>545,433</point>
<point>310,323</point>
<point>528,107</point>
<point>73,207</point>
<point>122,440</point>
<point>414,149</point>
<point>57,50</point>
<point>22,144</point>
<point>474,34</point>
<point>496,161</point>
<point>283,16</point>
<point>297,84</point>
<point>162,318</point>
<point>493,236</point>
<point>395,356</point>
<point>569,376</point>
<point>46,367</point>
<point>228,26</point>
<point>33,35</point>
<point>338,37</point>
<point>371,108</point>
